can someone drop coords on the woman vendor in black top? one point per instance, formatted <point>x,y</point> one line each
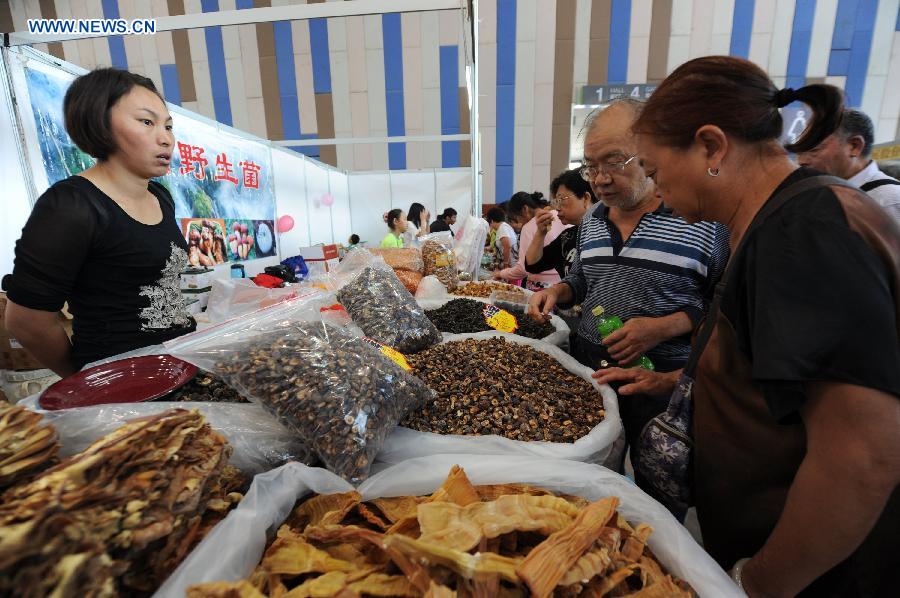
<point>105,240</point>
<point>572,198</point>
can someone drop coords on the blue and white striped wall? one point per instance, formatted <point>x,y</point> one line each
<point>393,75</point>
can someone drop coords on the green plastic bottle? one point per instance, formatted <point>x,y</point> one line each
<point>606,325</point>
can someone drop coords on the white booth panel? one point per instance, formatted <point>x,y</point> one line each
<point>409,187</point>
<point>454,190</point>
<point>370,199</point>
<point>290,200</point>
<point>341,223</point>
<point>319,215</point>
<point>17,196</point>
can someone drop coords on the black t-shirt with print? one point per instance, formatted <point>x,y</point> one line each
<point>120,277</point>
<point>558,255</point>
<point>812,301</point>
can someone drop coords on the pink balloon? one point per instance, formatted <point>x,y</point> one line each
<point>327,200</point>
<point>285,223</point>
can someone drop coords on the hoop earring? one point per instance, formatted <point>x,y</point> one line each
<point>712,172</point>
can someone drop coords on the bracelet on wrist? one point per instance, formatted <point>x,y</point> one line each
<point>737,572</point>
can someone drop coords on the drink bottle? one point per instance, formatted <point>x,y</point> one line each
<point>606,325</point>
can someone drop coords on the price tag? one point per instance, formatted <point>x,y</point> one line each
<point>395,356</point>
<point>500,319</point>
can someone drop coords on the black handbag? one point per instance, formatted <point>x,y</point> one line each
<point>666,445</point>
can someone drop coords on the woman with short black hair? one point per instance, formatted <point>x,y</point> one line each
<point>106,240</point>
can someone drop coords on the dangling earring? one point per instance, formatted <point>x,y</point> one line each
<point>712,172</point>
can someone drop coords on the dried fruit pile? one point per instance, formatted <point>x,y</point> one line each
<point>484,289</point>
<point>440,260</point>
<point>207,388</point>
<point>460,316</point>
<point>387,312</point>
<point>26,446</point>
<point>498,387</point>
<point>340,395</point>
<point>120,516</point>
<point>464,540</point>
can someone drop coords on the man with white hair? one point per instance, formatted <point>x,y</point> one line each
<point>847,153</point>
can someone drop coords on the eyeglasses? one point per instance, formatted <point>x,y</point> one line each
<point>589,173</point>
<point>558,200</point>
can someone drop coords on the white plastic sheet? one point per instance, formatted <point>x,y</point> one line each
<point>234,548</point>
<point>259,441</point>
<point>602,444</point>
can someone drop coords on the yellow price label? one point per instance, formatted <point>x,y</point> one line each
<point>392,354</point>
<point>500,319</point>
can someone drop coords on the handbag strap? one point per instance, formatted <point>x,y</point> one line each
<point>780,198</point>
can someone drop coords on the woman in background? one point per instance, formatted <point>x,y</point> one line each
<point>105,240</point>
<point>396,221</point>
<point>506,241</point>
<point>522,208</point>
<point>417,225</point>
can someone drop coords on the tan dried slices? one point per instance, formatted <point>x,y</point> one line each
<point>120,516</point>
<point>26,446</point>
<point>463,540</point>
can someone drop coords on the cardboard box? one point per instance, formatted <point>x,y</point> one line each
<point>12,355</point>
<point>324,255</point>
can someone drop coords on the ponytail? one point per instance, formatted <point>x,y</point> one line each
<point>826,102</point>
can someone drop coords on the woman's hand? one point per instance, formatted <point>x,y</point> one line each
<point>544,219</point>
<point>638,381</point>
<point>635,338</point>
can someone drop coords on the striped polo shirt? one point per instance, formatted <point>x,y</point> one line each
<point>665,266</point>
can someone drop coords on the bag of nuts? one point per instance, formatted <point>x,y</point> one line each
<point>380,304</point>
<point>340,395</point>
<point>439,258</point>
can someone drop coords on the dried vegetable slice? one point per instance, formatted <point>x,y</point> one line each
<point>506,540</point>
<point>118,517</point>
<point>26,446</point>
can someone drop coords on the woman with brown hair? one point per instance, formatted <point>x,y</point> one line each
<point>796,412</point>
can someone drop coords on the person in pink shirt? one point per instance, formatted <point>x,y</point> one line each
<point>522,208</point>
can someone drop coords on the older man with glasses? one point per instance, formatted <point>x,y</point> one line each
<point>639,261</point>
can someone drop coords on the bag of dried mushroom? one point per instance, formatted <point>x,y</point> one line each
<point>411,525</point>
<point>439,258</point>
<point>379,304</point>
<point>502,394</point>
<point>339,394</point>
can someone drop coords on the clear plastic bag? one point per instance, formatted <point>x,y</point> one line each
<point>470,244</point>
<point>233,549</point>
<point>439,258</point>
<point>339,395</point>
<point>407,258</point>
<point>380,304</point>
<point>260,442</point>
<point>430,288</point>
<point>602,445</point>
<point>409,279</point>
<point>231,297</point>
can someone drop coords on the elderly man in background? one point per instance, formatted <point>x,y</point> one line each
<point>847,152</point>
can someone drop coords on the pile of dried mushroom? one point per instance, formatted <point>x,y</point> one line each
<point>501,540</point>
<point>120,516</point>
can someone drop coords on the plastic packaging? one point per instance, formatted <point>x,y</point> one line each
<point>602,445</point>
<point>231,297</point>
<point>439,258</point>
<point>233,549</point>
<point>409,279</point>
<point>430,288</point>
<point>470,244</point>
<point>339,395</point>
<point>409,258</point>
<point>380,304</point>
<point>259,441</point>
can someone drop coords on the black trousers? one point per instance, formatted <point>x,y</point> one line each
<point>636,410</point>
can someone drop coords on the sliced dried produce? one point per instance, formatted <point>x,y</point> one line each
<point>440,260</point>
<point>496,387</point>
<point>27,446</point>
<point>407,258</point>
<point>206,387</point>
<point>118,517</point>
<point>484,289</point>
<point>587,550</point>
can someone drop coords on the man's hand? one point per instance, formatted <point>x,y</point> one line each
<point>496,275</point>
<point>638,380</point>
<point>635,338</point>
<point>541,304</point>
<point>544,220</point>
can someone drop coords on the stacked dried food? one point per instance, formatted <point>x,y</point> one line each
<point>338,393</point>
<point>207,388</point>
<point>387,312</point>
<point>120,516</point>
<point>460,316</point>
<point>407,264</point>
<point>464,540</point>
<point>26,446</point>
<point>484,289</point>
<point>440,261</point>
<point>498,387</point>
